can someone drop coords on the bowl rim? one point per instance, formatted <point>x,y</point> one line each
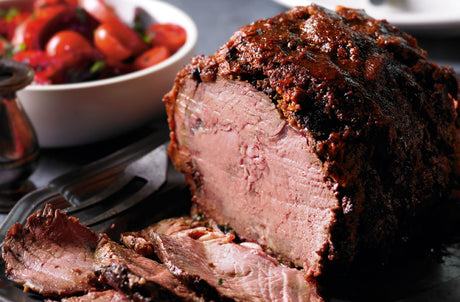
<point>192,38</point>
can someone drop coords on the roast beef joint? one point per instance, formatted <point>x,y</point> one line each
<point>326,137</point>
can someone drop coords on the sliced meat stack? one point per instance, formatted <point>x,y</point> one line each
<point>59,258</point>
<point>51,255</point>
<point>212,264</point>
<point>55,256</point>
<point>322,136</point>
<point>142,278</point>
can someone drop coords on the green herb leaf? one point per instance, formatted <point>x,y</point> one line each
<point>220,281</point>
<point>138,25</point>
<point>12,12</point>
<point>146,39</point>
<point>19,47</point>
<point>97,66</point>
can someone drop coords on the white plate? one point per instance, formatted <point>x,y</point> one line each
<point>427,16</point>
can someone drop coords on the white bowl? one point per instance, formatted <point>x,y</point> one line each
<point>75,114</point>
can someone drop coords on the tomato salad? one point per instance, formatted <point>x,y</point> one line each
<point>68,41</point>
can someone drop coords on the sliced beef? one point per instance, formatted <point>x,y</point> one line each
<point>138,242</point>
<point>140,277</point>
<point>185,226</point>
<point>51,255</point>
<point>323,136</point>
<point>109,295</point>
<point>235,271</point>
<point>209,261</point>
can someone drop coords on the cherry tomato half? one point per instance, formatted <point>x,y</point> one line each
<point>117,41</point>
<point>72,50</point>
<point>65,41</point>
<point>171,35</point>
<point>30,31</point>
<point>36,30</point>
<point>127,36</point>
<point>152,57</point>
<point>70,18</point>
<point>109,44</point>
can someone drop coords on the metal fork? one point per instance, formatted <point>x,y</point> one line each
<point>98,192</point>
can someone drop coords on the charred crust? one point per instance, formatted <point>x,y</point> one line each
<point>118,276</point>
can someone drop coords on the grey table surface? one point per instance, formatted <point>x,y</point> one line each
<point>216,21</point>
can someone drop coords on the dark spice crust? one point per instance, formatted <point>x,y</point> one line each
<point>382,117</point>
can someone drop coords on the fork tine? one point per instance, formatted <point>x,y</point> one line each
<point>152,170</point>
<point>80,192</point>
<point>79,204</point>
<point>120,207</point>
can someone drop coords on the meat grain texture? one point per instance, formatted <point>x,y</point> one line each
<point>326,137</point>
<point>51,255</point>
<point>142,278</point>
<point>211,263</point>
<point>57,257</point>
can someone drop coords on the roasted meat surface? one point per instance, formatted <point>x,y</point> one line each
<point>210,262</point>
<point>141,242</point>
<point>54,255</point>
<point>51,255</point>
<point>324,136</point>
<point>142,278</point>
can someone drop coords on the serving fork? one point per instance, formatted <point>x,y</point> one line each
<point>98,192</point>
